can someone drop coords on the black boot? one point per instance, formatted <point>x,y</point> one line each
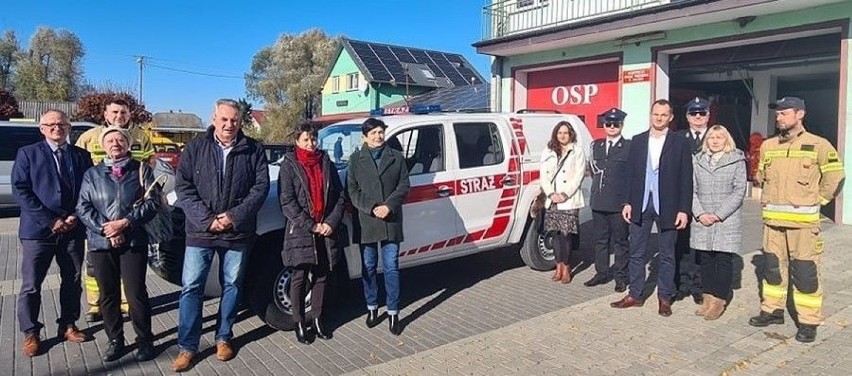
<point>372,318</point>
<point>321,333</point>
<point>765,319</point>
<point>302,333</point>
<point>806,333</point>
<point>114,350</point>
<point>145,351</point>
<point>393,325</point>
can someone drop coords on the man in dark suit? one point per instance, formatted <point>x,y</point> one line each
<point>659,189</point>
<point>46,179</point>
<point>609,166</point>
<point>688,272</point>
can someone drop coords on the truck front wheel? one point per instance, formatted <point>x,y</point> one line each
<point>537,247</point>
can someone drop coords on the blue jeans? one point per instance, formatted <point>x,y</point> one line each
<point>390,267</point>
<point>196,266</point>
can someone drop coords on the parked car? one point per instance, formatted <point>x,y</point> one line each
<point>16,135</point>
<point>473,179</point>
<point>168,152</point>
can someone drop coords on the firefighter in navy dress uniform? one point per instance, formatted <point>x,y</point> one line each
<point>688,272</point>
<point>609,166</point>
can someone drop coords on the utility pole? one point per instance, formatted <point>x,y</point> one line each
<point>141,60</point>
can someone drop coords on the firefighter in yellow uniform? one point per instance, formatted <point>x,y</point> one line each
<point>116,113</point>
<point>799,172</point>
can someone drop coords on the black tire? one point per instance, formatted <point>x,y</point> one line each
<point>166,259</point>
<point>537,248</point>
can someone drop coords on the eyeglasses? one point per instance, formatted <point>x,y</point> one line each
<point>698,113</point>
<point>612,125</point>
<point>55,125</point>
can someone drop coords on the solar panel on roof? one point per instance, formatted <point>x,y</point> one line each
<point>385,63</point>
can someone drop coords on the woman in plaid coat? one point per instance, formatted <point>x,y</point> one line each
<point>719,173</point>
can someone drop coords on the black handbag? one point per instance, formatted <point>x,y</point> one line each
<point>159,229</point>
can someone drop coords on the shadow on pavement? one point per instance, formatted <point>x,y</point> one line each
<point>445,279</point>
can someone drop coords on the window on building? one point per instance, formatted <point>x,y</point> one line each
<point>352,81</point>
<point>335,84</point>
<point>478,144</point>
<point>422,147</point>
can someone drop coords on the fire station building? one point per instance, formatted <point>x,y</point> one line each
<point>586,56</point>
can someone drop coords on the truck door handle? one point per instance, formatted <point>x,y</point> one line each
<point>444,191</point>
<point>508,182</point>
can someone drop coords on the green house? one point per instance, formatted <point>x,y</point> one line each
<point>367,76</point>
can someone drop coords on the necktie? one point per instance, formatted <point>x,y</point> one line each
<point>67,191</point>
<point>608,146</point>
<point>697,136</point>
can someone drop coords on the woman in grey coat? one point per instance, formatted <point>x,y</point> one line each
<point>718,191</point>
<point>377,181</point>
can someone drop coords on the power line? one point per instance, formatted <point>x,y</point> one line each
<point>148,63</point>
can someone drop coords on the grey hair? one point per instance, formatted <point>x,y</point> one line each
<point>228,102</point>
<point>60,112</point>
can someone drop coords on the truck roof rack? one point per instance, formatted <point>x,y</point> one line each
<point>535,111</point>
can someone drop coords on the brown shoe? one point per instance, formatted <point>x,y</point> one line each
<point>224,351</point>
<point>72,334</point>
<point>557,274</point>
<point>183,361</point>
<point>705,305</point>
<point>627,302</point>
<point>665,307</point>
<point>566,273</point>
<point>32,342</point>
<point>717,307</point>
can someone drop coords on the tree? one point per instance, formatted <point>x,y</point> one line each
<point>8,106</point>
<point>51,69</point>
<point>245,112</point>
<point>286,75</point>
<point>9,50</point>
<point>91,107</point>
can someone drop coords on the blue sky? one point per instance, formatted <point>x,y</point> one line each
<point>220,38</point>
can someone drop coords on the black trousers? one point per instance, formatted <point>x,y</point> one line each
<point>610,233</point>
<point>299,281</point>
<point>35,261</point>
<point>111,268</point>
<point>688,271</point>
<point>717,273</point>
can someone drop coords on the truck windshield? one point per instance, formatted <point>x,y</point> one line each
<point>340,141</point>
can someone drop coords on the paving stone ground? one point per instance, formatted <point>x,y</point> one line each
<point>481,314</point>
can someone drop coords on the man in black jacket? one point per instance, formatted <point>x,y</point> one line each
<point>609,166</point>
<point>659,186</point>
<point>221,182</point>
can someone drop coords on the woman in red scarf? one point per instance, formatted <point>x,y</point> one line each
<point>309,191</point>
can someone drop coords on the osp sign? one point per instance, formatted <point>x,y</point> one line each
<point>574,94</point>
<point>585,90</point>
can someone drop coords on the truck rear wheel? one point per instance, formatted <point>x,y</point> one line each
<point>537,248</point>
<point>268,283</point>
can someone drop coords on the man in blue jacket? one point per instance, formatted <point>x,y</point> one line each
<point>221,182</point>
<point>46,179</point>
<point>659,190</point>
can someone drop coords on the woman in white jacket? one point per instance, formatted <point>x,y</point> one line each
<point>563,166</point>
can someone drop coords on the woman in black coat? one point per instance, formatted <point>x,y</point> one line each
<point>378,184</point>
<point>113,209</point>
<point>311,198</point>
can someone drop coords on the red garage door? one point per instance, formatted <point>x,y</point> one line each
<point>586,91</point>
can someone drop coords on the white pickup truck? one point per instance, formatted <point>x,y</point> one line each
<point>473,178</point>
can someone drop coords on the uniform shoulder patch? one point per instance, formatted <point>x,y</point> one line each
<point>833,157</point>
